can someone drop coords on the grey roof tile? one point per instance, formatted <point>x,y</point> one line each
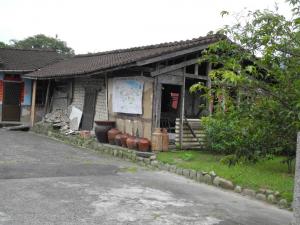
<point>13,59</point>
<point>97,62</point>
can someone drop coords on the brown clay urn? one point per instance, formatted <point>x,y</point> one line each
<point>130,142</point>
<point>144,145</point>
<point>112,135</point>
<point>118,139</point>
<point>123,139</point>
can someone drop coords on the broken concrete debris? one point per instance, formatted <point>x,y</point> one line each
<point>60,119</point>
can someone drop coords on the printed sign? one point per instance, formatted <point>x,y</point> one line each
<point>128,96</point>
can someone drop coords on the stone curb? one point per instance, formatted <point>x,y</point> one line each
<point>209,178</point>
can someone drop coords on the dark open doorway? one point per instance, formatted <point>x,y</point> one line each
<point>170,106</point>
<point>11,106</point>
<point>90,98</point>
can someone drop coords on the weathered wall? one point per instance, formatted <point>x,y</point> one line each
<point>26,104</point>
<point>79,91</point>
<point>130,123</point>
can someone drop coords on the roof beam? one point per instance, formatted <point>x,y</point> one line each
<point>174,67</point>
<point>188,75</point>
<point>193,76</point>
<point>172,55</point>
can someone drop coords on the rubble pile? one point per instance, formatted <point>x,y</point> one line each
<point>59,119</point>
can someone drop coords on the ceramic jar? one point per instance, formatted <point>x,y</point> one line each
<point>144,145</point>
<point>111,134</point>
<point>124,139</point>
<point>101,129</point>
<point>118,139</point>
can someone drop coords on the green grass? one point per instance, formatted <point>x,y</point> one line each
<point>128,169</point>
<point>269,174</point>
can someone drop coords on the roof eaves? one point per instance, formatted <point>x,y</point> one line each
<point>16,71</point>
<point>170,54</point>
<point>77,75</point>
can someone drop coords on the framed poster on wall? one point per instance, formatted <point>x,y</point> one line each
<point>127,96</point>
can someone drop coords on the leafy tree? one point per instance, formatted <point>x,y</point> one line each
<point>2,45</point>
<point>42,41</point>
<point>257,84</point>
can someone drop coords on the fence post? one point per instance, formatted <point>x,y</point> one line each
<point>296,204</point>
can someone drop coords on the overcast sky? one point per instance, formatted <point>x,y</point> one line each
<point>99,25</point>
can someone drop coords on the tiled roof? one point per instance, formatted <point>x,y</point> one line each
<point>92,63</point>
<point>12,59</point>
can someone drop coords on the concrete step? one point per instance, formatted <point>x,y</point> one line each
<point>11,125</point>
<point>22,127</point>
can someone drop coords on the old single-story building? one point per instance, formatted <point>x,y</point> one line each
<point>140,88</point>
<point>15,90</point>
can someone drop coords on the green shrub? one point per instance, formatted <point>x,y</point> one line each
<point>250,133</point>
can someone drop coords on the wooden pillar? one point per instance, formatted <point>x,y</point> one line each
<point>182,100</point>
<point>33,98</point>
<point>196,69</point>
<point>106,95</point>
<point>158,104</point>
<point>210,102</point>
<point>296,219</point>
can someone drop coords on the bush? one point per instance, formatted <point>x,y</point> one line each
<point>250,133</point>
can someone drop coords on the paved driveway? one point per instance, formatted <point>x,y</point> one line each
<point>47,182</point>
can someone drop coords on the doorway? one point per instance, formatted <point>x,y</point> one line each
<point>170,106</point>
<point>11,106</point>
<point>89,106</point>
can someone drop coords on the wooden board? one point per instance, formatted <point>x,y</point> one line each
<point>189,141</point>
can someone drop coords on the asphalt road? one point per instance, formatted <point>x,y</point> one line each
<point>47,182</point>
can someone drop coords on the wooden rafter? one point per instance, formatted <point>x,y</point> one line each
<point>174,67</point>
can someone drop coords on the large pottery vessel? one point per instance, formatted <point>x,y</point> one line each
<point>130,142</point>
<point>124,139</point>
<point>118,139</point>
<point>112,135</point>
<point>144,145</point>
<point>101,129</point>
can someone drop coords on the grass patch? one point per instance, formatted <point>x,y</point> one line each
<point>269,174</point>
<point>128,170</point>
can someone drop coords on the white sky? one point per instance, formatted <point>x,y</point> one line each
<point>99,25</point>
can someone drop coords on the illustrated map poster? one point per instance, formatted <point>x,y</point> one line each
<point>128,96</point>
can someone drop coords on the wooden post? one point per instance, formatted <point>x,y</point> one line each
<point>156,102</point>
<point>106,95</point>
<point>210,103</point>
<point>196,69</point>
<point>182,110</point>
<point>154,107</point>
<point>33,98</point>
<point>47,97</point>
<point>296,219</point>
